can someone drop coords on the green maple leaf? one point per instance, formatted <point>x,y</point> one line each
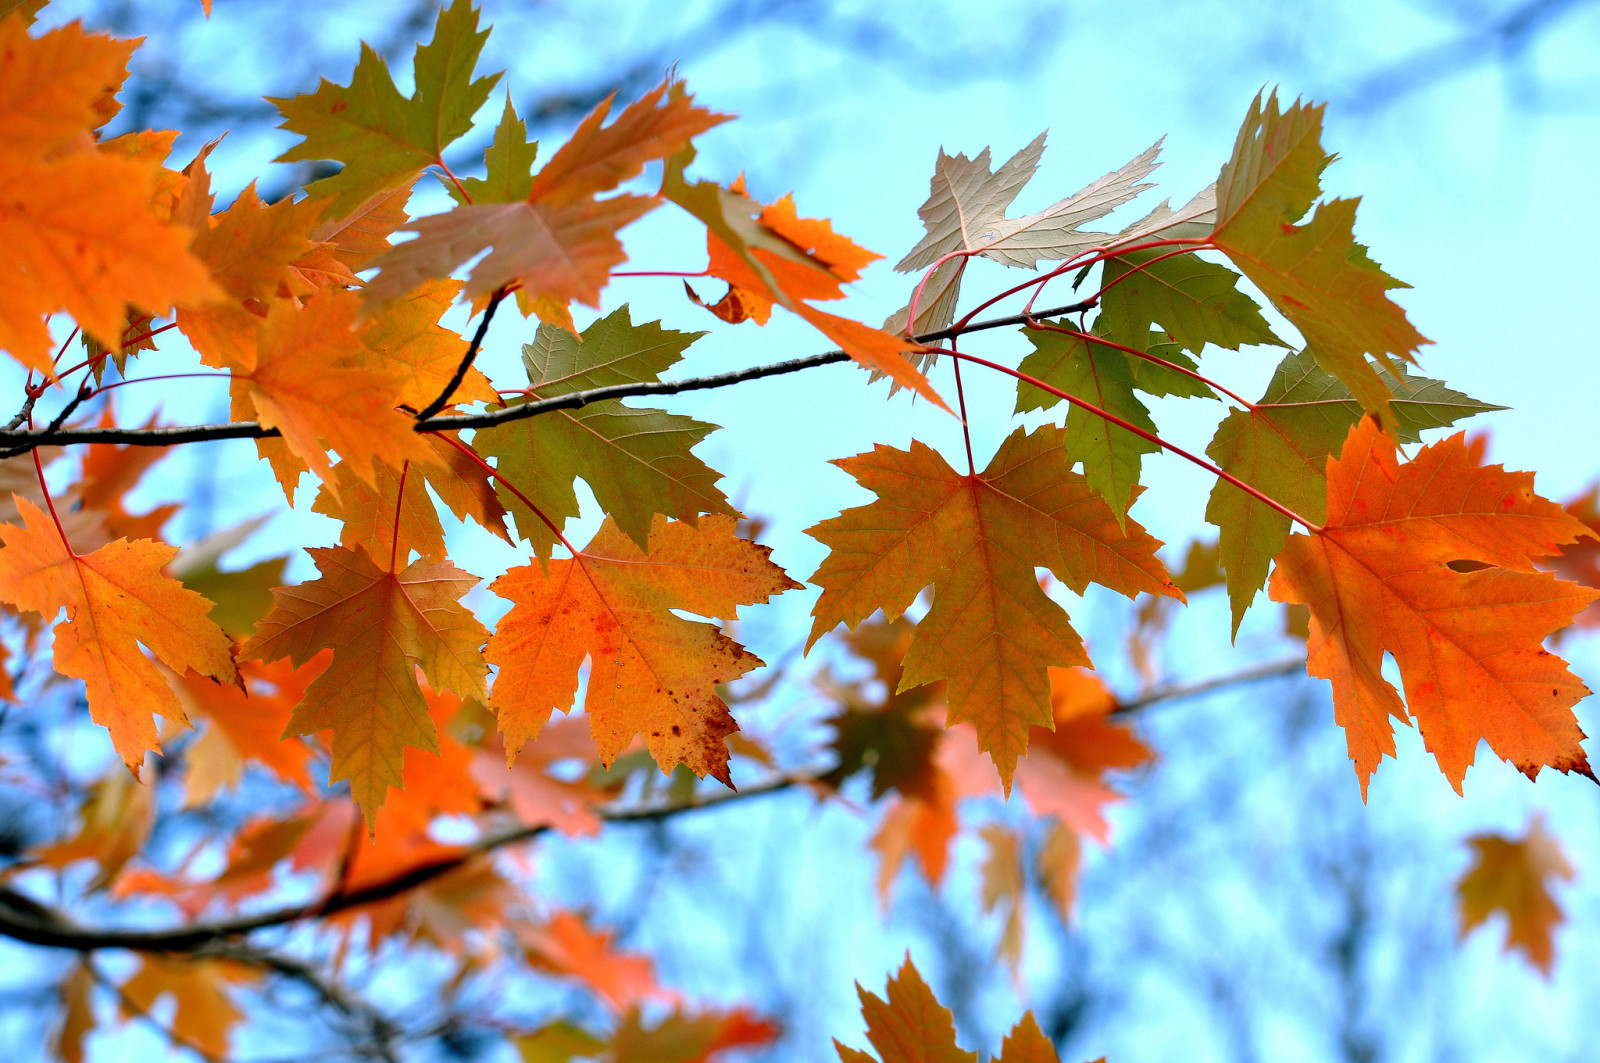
<point>1315,274</point>
<point>383,138</point>
<point>508,164</point>
<point>1193,300</point>
<point>1282,448</point>
<point>1111,455</point>
<point>637,461</point>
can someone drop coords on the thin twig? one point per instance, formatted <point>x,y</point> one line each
<point>472,353</point>
<point>167,437</point>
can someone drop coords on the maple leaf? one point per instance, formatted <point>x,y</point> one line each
<point>770,255</point>
<point>565,945</point>
<point>966,211</point>
<point>1194,301</point>
<point>385,139</point>
<point>1315,274</point>
<point>1511,875</point>
<point>1062,775</point>
<point>56,87</point>
<point>992,633</point>
<point>114,823</point>
<point>205,1013</point>
<point>651,672</point>
<point>116,598</point>
<point>967,204</point>
<point>382,626</point>
<point>81,236</point>
<point>246,722</point>
<point>248,249</point>
<point>1281,447</point>
<point>1004,885</point>
<point>638,462</point>
<point>1580,561</point>
<point>404,335</point>
<point>507,162</point>
<point>1102,375</point>
<point>306,378</point>
<point>559,243</point>
<point>888,736</point>
<point>910,1026</point>
<point>1378,578</point>
<point>536,795</point>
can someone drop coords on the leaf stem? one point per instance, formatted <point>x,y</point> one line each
<point>1089,337</point>
<point>1216,471</point>
<point>509,486</point>
<point>38,468</point>
<point>399,504</point>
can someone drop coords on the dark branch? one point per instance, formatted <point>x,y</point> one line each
<point>24,441</point>
<point>25,919</point>
<point>466,361</point>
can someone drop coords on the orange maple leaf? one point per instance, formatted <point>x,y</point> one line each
<point>205,1012</point>
<point>565,945</point>
<point>1433,562</point>
<point>307,377</point>
<point>116,598</point>
<point>382,626</point>
<point>651,672</point>
<point>992,633</point>
<point>248,249</point>
<point>780,257</point>
<point>245,723</point>
<point>1511,875</point>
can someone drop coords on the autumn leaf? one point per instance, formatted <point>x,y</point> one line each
<point>382,626</point>
<point>116,599</point>
<point>1101,375</point>
<point>245,725</point>
<point>1512,875</point>
<point>1063,773</point>
<point>81,236</point>
<point>909,1026</point>
<point>205,1013</point>
<point>1194,301</point>
<point>1004,886</point>
<point>1315,274</point>
<point>79,224</point>
<point>306,377</point>
<point>889,736</point>
<point>1379,579</point>
<point>404,336</point>
<point>532,785</point>
<point>565,945</point>
<point>113,826</point>
<point>1281,447</point>
<point>992,633</point>
<point>559,243</point>
<point>769,255</point>
<point>651,672</point>
<point>508,165</point>
<point>966,211</point>
<point>385,139</point>
<point>248,249</point>
<point>396,515</point>
<point>638,462</point>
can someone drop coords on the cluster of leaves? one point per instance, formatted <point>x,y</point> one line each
<point>329,338</point>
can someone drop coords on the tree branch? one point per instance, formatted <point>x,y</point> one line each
<point>25,919</point>
<point>22,441</point>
